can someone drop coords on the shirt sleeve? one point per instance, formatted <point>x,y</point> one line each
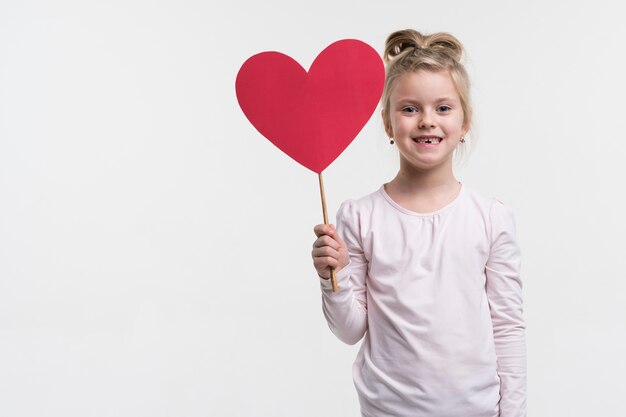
<point>504,291</point>
<point>346,310</point>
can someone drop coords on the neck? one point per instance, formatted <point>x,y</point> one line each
<point>423,191</point>
<point>415,181</point>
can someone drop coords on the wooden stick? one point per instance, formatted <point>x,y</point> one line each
<point>333,275</point>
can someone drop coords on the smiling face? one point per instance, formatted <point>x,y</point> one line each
<point>426,119</point>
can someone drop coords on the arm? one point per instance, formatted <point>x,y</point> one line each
<point>345,310</point>
<point>504,291</point>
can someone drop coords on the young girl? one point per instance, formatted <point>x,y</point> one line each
<point>428,270</point>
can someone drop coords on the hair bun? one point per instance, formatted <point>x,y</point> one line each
<point>404,41</point>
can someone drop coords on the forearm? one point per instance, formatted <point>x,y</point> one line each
<point>345,314</point>
<point>511,352</point>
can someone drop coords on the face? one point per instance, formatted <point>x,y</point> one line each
<point>425,118</point>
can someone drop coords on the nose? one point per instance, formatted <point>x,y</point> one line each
<point>426,122</point>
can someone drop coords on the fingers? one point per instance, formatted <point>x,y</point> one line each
<point>327,249</point>
<point>327,230</point>
<point>324,265</point>
<point>324,251</point>
<point>324,229</point>
<point>326,240</point>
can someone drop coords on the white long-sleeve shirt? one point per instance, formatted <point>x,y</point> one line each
<point>438,297</point>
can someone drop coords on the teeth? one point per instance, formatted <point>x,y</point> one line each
<point>427,140</point>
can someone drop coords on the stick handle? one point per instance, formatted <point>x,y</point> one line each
<point>333,274</point>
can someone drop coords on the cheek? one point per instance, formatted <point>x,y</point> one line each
<point>405,124</point>
<point>456,124</point>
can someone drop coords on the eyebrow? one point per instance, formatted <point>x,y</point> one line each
<point>410,99</point>
<point>448,99</point>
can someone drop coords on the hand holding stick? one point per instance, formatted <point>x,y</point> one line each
<point>333,274</point>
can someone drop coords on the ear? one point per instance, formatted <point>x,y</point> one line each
<point>466,128</point>
<point>386,123</point>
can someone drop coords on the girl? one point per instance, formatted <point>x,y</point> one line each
<point>428,270</point>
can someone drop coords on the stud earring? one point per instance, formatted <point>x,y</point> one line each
<point>463,139</point>
<point>391,141</point>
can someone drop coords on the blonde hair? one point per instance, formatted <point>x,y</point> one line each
<point>409,51</point>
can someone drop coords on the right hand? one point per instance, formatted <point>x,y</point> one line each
<point>329,251</point>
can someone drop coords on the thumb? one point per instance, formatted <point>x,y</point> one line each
<point>335,235</point>
<point>344,257</point>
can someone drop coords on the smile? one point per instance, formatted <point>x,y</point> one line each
<point>427,139</point>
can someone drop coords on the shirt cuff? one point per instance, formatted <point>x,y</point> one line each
<point>343,277</point>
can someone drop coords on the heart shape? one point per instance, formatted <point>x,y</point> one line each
<point>314,116</point>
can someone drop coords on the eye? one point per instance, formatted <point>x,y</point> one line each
<point>409,109</point>
<point>443,108</point>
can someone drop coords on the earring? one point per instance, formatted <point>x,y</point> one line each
<point>391,141</point>
<point>463,139</point>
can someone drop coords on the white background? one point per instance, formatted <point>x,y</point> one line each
<point>155,249</point>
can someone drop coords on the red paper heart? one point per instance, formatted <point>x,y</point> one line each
<point>312,117</point>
